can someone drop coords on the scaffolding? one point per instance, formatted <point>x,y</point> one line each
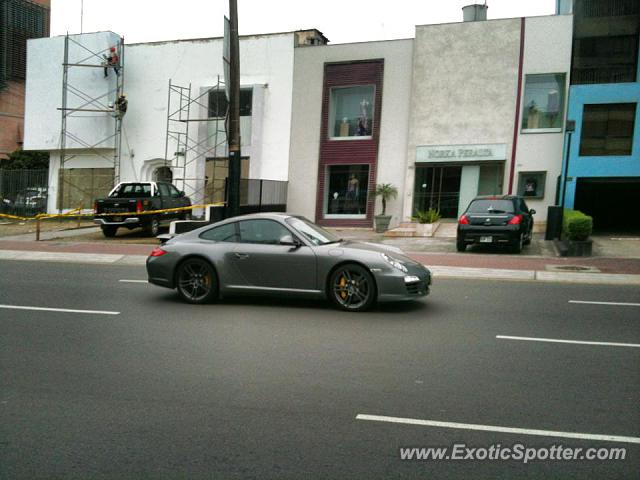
<point>186,151</point>
<point>80,104</point>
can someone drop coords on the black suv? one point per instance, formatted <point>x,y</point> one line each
<point>496,220</point>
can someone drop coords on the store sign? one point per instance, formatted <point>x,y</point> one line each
<point>461,153</point>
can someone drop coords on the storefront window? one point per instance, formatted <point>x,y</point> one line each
<point>543,104</point>
<point>531,184</point>
<point>351,112</point>
<point>347,191</point>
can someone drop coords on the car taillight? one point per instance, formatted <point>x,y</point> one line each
<point>138,206</point>
<point>157,252</point>
<point>515,220</point>
<point>463,220</point>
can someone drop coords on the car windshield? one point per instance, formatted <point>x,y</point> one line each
<point>312,232</point>
<point>487,205</point>
<point>132,190</point>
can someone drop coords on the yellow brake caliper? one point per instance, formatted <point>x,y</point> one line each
<point>343,282</point>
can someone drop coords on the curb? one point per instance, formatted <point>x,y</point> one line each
<point>438,271</point>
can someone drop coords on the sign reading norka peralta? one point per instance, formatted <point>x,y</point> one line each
<point>461,153</point>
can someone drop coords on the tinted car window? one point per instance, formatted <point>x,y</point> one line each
<point>223,233</point>
<point>262,231</point>
<point>491,206</point>
<point>164,190</point>
<point>174,191</point>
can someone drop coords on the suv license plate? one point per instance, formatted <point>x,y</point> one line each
<point>486,239</point>
<point>117,219</point>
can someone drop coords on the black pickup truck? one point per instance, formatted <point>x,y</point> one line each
<point>130,199</point>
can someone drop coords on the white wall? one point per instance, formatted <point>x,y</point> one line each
<point>464,88</point>
<point>266,65</point>
<point>306,118</point>
<point>548,42</point>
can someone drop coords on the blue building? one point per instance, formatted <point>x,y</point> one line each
<point>602,155</point>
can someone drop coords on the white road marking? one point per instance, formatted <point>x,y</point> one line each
<point>134,281</point>
<point>579,342</point>
<point>493,428</point>
<point>622,304</point>
<point>65,310</point>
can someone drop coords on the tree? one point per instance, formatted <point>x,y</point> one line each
<point>385,191</point>
<point>28,160</point>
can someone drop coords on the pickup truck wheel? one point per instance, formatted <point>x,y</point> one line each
<point>196,281</point>
<point>153,227</point>
<point>109,231</point>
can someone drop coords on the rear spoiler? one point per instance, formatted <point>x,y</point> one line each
<point>165,237</point>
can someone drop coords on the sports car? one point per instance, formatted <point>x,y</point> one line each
<point>282,254</point>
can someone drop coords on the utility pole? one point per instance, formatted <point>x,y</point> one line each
<point>233,134</point>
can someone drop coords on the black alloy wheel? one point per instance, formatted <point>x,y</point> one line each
<point>153,227</point>
<point>196,281</point>
<point>352,288</point>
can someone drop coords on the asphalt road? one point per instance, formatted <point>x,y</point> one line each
<point>256,388</point>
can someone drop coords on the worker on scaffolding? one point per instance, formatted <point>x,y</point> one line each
<point>111,61</point>
<point>121,105</point>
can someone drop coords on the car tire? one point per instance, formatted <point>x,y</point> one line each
<point>352,288</point>
<point>527,240</point>
<point>196,281</point>
<point>461,246</point>
<point>153,227</point>
<point>517,245</point>
<point>109,231</point>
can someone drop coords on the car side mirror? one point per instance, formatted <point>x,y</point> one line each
<point>532,211</point>
<point>290,241</point>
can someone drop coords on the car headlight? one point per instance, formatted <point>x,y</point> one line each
<point>394,263</point>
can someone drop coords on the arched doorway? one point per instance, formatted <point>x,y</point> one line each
<point>163,174</point>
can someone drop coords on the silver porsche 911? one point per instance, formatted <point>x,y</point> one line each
<point>275,253</point>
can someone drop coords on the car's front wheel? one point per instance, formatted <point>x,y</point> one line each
<point>196,281</point>
<point>352,288</point>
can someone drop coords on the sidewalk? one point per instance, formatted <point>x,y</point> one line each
<point>616,260</point>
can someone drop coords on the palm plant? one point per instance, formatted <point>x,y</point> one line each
<point>385,191</point>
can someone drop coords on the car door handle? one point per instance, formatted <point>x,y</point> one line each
<point>241,256</point>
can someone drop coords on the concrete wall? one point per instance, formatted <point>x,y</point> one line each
<point>306,118</point>
<point>547,49</point>
<point>464,88</point>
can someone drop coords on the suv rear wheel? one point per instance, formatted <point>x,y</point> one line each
<point>109,231</point>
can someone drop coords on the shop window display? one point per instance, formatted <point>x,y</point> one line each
<point>347,190</point>
<point>352,111</point>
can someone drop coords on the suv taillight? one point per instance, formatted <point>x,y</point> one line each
<point>138,206</point>
<point>515,220</point>
<point>463,220</point>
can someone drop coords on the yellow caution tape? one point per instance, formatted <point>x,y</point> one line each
<point>75,213</point>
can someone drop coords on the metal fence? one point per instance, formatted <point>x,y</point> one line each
<point>24,192</point>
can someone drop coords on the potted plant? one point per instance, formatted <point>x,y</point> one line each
<point>385,191</point>
<point>427,222</point>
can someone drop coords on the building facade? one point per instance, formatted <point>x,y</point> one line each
<point>19,21</point>
<point>463,109</point>
<point>174,124</point>
<point>602,155</point>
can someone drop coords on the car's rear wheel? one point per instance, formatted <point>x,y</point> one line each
<point>153,227</point>
<point>196,281</point>
<point>527,241</point>
<point>109,231</point>
<point>518,243</point>
<point>352,288</point>
<point>460,245</point>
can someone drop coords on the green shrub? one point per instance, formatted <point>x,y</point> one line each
<point>430,216</point>
<point>576,225</point>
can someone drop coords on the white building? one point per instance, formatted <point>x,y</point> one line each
<point>463,109</point>
<point>90,140</point>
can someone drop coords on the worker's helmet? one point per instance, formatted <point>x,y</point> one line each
<point>113,49</point>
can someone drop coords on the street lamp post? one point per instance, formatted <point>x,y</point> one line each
<point>233,197</point>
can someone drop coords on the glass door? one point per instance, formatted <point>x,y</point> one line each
<point>438,188</point>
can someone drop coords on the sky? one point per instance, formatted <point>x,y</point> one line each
<point>342,21</point>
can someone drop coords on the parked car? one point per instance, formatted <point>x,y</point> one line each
<point>131,199</point>
<point>280,254</point>
<point>496,220</point>
<point>32,199</point>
